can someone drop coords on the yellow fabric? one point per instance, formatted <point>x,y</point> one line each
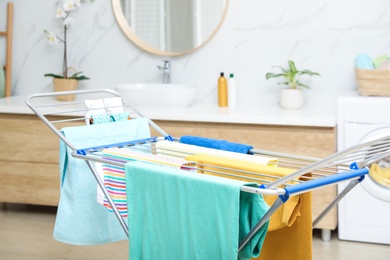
<point>291,243</point>
<point>380,175</point>
<point>285,215</point>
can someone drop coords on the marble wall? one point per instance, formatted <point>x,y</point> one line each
<point>322,35</point>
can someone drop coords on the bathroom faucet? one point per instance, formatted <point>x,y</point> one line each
<point>166,68</point>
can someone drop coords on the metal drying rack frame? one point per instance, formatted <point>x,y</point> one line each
<point>348,165</point>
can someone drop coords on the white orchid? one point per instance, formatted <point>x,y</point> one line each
<point>63,12</point>
<point>53,38</point>
<point>68,21</point>
<point>60,13</point>
<point>71,5</point>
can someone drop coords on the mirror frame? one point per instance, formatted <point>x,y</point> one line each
<point>129,32</point>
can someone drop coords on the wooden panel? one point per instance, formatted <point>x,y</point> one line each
<point>29,183</point>
<point>309,141</point>
<point>29,171</point>
<point>26,138</point>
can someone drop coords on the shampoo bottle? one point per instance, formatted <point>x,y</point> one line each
<point>232,101</point>
<point>222,91</point>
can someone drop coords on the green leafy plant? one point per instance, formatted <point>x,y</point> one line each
<point>75,76</point>
<point>291,74</point>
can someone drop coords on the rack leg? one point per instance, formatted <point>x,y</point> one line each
<point>326,235</point>
<point>3,206</point>
<point>109,199</point>
<point>336,200</point>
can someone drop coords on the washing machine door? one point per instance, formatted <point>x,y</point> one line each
<point>377,182</point>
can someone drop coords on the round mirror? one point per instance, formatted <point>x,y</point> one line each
<point>170,27</point>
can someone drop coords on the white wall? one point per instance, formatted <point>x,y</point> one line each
<point>322,35</point>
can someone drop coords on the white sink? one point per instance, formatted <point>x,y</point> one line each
<point>173,95</point>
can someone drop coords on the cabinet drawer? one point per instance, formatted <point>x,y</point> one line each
<point>25,138</point>
<point>30,183</point>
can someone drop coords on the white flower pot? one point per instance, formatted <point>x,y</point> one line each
<point>291,98</point>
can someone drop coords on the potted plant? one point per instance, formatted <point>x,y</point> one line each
<point>291,97</point>
<point>69,77</point>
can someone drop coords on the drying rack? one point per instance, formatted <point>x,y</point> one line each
<point>349,165</point>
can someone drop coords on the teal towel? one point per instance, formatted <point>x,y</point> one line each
<point>81,220</point>
<point>175,214</point>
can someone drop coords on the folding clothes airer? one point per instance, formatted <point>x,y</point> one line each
<point>309,173</point>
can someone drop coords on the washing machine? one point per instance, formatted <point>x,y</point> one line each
<point>364,214</point>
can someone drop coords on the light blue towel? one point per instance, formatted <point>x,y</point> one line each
<point>81,220</point>
<point>176,214</point>
<point>216,144</point>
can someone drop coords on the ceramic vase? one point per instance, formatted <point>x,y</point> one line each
<point>291,98</point>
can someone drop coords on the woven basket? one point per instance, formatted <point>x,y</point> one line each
<point>65,85</point>
<point>373,82</point>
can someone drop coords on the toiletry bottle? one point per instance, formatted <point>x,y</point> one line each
<point>222,91</point>
<point>232,98</point>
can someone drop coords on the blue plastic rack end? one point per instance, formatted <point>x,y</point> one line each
<point>308,185</point>
<point>169,138</point>
<point>283,197</point>
<point>354,166</point>
<point>84,151</point>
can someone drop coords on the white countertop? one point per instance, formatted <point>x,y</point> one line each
<point>265,114</point>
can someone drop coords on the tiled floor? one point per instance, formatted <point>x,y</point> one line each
<point>26,234</point>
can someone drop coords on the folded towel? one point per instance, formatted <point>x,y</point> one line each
<point>177,149</point>
<point>80,219</point>
<point>216,144</point>
<point>385,65</point>
<point>175,214</point>
<point>94,107</point>
<point>108,118</point>
<point>286,214</point>
<point>364,61</point>
<point>379,60</point>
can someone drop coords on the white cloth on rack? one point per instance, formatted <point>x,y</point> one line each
<point>99,192</point>
<point>183,150</point>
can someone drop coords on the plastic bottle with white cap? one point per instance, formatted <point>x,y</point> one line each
<point>232,91</point>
